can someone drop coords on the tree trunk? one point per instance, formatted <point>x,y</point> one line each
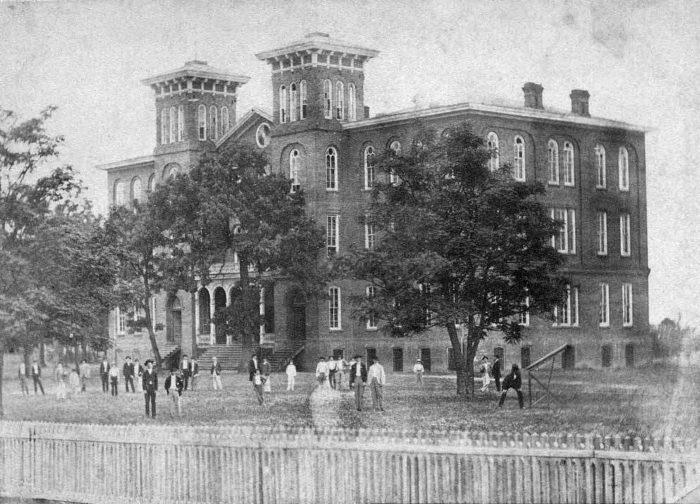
<point>472,347</point>
<point>149,328</point>
<point>193,307</point>
<point>246,339</point>
<point>460,361</point>
<point>2,368</point>
<point>75,356</point>
<point>42,353</point>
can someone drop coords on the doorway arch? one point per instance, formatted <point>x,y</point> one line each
<point>220,304</point>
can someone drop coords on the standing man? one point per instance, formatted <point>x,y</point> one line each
<point>215,374</point>
<point>128,372</point>
<point>340,371</point>
<point>257,380</point>
<point>173,387</point>
<point>150,386</point>
<point>104,374</point>
<point>485,373</point>
<point>322,372</point>
<point>514,381</point>
<point>418,369</point>
<point>84,375</point>
<point>496,371</point>
<point>114,378</point>
<point>267,372</point>
<point>22,375</point>
<point>332,370</point>
<point>185,370</point>
<point>253,367</point>
<point>138,373</point>
<point>291,375</point>
<point>358,379</point>
<point>377,379</point>
<point>36,376</point>
<point>194,371</point>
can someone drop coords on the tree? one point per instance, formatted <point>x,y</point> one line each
<point>246,213</point>
<point>27,202</point>
<point>459,244</point>
<point>140,243</point>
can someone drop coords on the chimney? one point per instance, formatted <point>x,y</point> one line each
<point>533,95</point>
<point>579,102</point>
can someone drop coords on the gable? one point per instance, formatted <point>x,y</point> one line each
<point>246,129</point>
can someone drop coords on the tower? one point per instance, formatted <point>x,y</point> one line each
<point>195,107</point>
<point>317,82</point>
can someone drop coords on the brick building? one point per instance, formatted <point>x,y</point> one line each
<point>321,134</point>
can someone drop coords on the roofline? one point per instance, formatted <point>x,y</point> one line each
<point>265,115</point>
<point>315,45</point>
<point>190,72</point>
<point>481,108</point>
<point>126,163</point>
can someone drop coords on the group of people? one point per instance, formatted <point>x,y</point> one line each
<point>76,379</point>
<point>329,374</point>
<point>512,380</point>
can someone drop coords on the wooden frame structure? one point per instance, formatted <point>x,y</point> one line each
<point>531,376</point>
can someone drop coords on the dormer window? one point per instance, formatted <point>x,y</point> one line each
<point>303,99</point>
<point>327,99</point>
<point>283,104</point>
<point>339,100</point>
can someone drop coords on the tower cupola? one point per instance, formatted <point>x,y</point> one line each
<point>194,103</point>
<point>318,80</point>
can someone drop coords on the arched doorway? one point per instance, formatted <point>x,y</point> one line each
<point>174,320</point>
<point>204,311</point>
<point>297,315</point>
<point>219,304</point>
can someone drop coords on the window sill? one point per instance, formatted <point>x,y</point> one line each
<point>373,329</point>
<point>335,329</point>
<point>569,185</point>
<point>552,183</point>
<point>601,188</point>
<point>602,254</point>
<point>606,326</point>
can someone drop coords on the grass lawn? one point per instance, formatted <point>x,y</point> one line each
<point>657,400</point>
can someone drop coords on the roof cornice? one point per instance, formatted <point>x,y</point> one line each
<point>318,41</point>
<point>126,163</point>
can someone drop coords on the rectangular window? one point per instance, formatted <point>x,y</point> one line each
<point>120,317</point>
<point>602,233</point>
<point>334,308</point>
<point>371,319</point>
<point>565,240</point>
<point>566,314</point>
<point>332,235</point>
<point>627,318</point>
<point>604,308</point>
<point>625,250</point>
<point>524,317</point>
<point>369,235</point>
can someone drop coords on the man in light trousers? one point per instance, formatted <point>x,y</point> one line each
<point>376,379</point>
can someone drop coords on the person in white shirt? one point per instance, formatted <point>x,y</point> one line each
<point>114,378</point>
<point>418,369</point>
<point>291,375</point>
<point>322,373</point>
<point>376,379</point>
<point>60,382</point>
<point>340,371</point>
<point>485,373</point>
<point>22,375</point>
<point>332,370</point>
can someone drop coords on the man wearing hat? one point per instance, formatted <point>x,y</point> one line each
<point>149,382</point>
<point>418,369</point>
<point>173,387</point>
<point>358,378</point>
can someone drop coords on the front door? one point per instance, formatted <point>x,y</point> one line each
<point>524,357</point>
<point>220,304</point>
<point>425,358</point>
<point>298,317</point>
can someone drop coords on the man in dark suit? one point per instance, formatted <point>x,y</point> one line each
<point>36,377</point>
<point>128,373</point>
<point>514,381</point>
<point>358,380</point>
<point>173,387</point>
<point>104,374</point>
<point>185,370</point>
<point>150,386</point>
<point>496,372</point>
<point>253,367</point>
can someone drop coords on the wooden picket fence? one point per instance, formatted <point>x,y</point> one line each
<point>170,464</point>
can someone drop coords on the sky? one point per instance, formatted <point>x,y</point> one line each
<point>637,58</point>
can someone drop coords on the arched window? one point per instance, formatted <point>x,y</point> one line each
<point>202,122</point>
<point>369,167</point>
<point>171,170</point>
<point>204,311</point>
<point>224,121</point>
<point>553,162</point>
<point>519,159</point>
<point>339,100</point>
<point>352,102</point>
<point>568,164</point>
<point>624,169</point>
<point>120,193</point>
<point>294,168</point>
<point>327,99</point>
<point>395,148</point>
<point>173,125</point>
<point>180,123</point>
<point>152,182</point>
<point>601,176</point>
<point>136,189</point>
<point>302,91</point>
<point>164,133</point>
<point>492,146</point>
<point>331,169</point>
<point>294,102</point>
<point>213,118</point>
<point>283,104</point>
